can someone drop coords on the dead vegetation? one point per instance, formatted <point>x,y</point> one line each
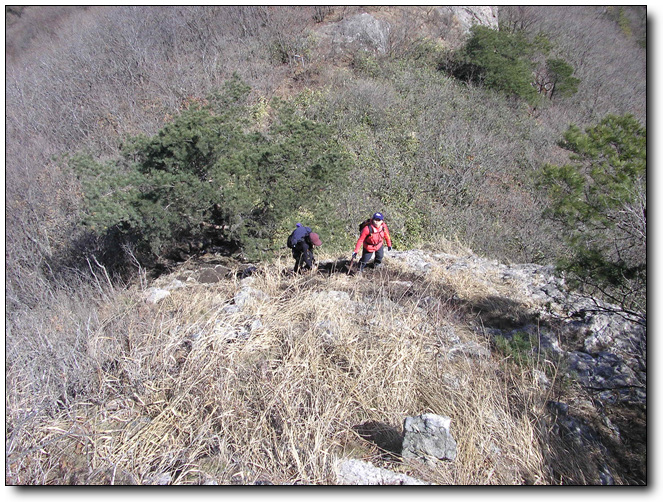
<point>323,367</point>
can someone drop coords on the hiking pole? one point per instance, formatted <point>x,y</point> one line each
<point>352,261</point>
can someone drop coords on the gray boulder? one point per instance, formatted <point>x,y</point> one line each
<point>428,436</point>
<point>155,295</point>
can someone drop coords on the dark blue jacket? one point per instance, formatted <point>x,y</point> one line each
<point>300,233</point>
<point>303,251</point>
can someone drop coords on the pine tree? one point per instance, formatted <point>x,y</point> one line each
<point>210,170</point>
<point>599,198</point>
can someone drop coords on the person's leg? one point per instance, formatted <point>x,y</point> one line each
<point>379,254</point>
<point>309,257</point>
<point>299,259</point>
<point>365,258</point>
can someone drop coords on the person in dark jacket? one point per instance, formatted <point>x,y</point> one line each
<point>371,240</point>
<point>302,242</point>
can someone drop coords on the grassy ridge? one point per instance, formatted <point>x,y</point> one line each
<point>176,393</point>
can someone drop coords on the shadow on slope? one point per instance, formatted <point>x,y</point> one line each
<point>387,438</point>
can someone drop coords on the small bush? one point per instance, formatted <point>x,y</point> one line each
<point>517,348</point>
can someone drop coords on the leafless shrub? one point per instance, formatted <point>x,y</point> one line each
<point>422,143</point>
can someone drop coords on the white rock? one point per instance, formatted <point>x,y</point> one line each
<point>155,295</point>
<point>358,472</point>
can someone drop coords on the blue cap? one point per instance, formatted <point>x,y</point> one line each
<point>378,216</point>
<point>299,225</point>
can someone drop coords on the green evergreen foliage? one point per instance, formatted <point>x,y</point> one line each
<point>499,60</point>
<point>518,348</point>
<point>561,76</point>
<point>210,173</point>
<point>600,200</point>
<point>507,61</point>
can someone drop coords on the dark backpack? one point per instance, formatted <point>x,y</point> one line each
<point>297,235</point>
<point>365,223</point>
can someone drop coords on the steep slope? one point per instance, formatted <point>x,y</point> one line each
<point>225,374</point>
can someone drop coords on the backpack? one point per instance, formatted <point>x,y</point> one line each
<point>363,224</point>
<point>297,235</point>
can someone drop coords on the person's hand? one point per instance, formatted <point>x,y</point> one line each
<point>388,248</point>
<point>354,255</point>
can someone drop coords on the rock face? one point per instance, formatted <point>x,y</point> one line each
<point>373,32</point>
<point>462,18</point>
<point>428,436</point>
<point>611,358</point>
<point>363,31</point>
<point>610,376</point>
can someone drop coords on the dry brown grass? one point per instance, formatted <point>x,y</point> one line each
<point>181,399</point>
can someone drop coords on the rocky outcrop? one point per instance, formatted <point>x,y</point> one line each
<point>610,361</point>
<point>598,350</point>
<point>462,18</point>
<point>362,31</point>
<point>609,376</point>
<point>376,30</point>
<point>610,352</point>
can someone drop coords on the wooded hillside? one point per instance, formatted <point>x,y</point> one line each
<point>139,137</point>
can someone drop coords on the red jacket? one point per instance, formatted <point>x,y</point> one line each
<point>372,239</point>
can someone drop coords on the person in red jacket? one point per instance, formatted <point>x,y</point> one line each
<point>372,239</point>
